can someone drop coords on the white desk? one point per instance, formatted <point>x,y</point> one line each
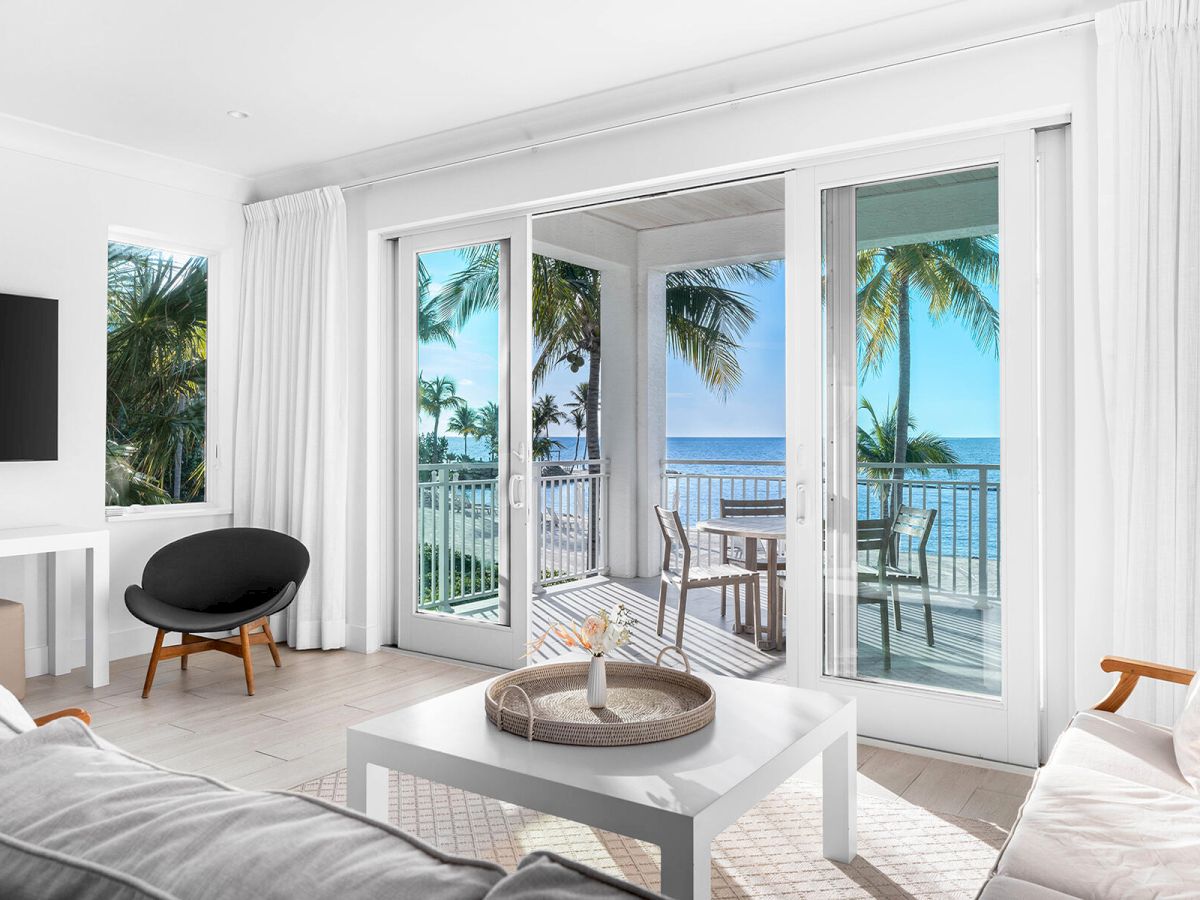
<point>679,794</point>
<point>52,540</point>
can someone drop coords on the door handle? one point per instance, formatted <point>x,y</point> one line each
<point>801,502</point>
<point>513,481</point>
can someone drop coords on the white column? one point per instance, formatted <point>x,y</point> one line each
<point>652,412</point>
<point>618,413</point>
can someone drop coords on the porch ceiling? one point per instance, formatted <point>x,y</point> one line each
<point>688,207</point>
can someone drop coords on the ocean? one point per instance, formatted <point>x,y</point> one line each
<point>954,492</point>
<point>970,451</point>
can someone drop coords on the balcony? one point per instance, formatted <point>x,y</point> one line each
<point>458,531</point>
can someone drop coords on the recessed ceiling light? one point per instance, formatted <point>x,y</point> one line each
<point>237,114</point>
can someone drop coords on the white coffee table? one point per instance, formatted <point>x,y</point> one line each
<point>679,794</point>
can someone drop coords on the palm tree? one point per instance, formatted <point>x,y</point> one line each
<point>431,327</point>
<point>488,427</point>
<point>157,347</point>
<point>706,319</point>
<point>948,278</point>
<point>579,420</point>
<point>546,412</point>
<point>463,422</point>
<point>438,395</point>
<point>877,444</point>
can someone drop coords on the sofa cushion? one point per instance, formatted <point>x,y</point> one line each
<point>1187,735</point>
<point>70,795</point>
<point>14,719</point>
<point>1122,747</point>
<point>1002,888</point>
<point>1090,834</point>
<point>543,874</point>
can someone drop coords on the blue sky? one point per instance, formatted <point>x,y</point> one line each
<point>955,387</point>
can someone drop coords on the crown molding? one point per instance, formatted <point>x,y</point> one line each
<point>45,141</point>
<point>905,39</point>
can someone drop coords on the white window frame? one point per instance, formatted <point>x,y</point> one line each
<point>213,477</point>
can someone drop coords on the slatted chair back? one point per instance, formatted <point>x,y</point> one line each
<point>674,534</point>
<point>738,508</point>
<point>914,522</point>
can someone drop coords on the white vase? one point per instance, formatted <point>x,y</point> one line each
<point>597,688</point>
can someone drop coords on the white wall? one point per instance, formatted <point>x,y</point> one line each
<point>946,95</point>
<point>55,215</point>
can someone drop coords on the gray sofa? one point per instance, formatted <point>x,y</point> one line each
<point>80,819</point>
<point>1110,816</point>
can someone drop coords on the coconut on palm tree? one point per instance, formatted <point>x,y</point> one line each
<point>464,423</point>
<point>438,395</point>
<point>947,278</point>
<point>157,344</point>
<point>706,318</point>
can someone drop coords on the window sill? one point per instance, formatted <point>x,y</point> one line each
<point>182,511</point>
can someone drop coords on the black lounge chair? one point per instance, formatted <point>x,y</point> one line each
<point>230,578</point>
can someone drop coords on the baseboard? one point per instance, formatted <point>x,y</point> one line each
<point>361,638</point>
<point>121,644</point>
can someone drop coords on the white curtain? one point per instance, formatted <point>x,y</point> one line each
<point>1148,93</point>
<point>290,444</point>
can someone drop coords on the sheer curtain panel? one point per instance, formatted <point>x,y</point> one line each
<point>291,442</point>
<point>1148,93</point>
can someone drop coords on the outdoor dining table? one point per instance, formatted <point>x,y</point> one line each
<point>752,529</point>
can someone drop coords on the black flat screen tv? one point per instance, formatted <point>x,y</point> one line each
<point>28,378</point>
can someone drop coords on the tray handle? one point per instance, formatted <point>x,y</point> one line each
<point>528,704</point>
<point>687,663</point>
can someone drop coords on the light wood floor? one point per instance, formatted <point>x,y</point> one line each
<point>293,729</point>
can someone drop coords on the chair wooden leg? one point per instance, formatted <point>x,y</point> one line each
<point>183,659</point>
<point>896,604</point>
<point>754,613</point>
<point>682,611</point>
<point>158,642</point>
<point>928,615</point>
<point>724,607</point>
<point>737,609</point>
<point>271,643</point>
<point>247,662</point>
<point>887,638</point>
<point>662,604</point>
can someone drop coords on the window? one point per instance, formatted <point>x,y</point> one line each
<point>157,361</point>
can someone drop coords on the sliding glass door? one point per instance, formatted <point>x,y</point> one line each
<point>926,605</point>
<point>464,535</point>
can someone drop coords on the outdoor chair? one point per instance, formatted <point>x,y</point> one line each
<point>883,536</point>
<point>690,576</point>
<point>735,552</point>
<point>220,580</point>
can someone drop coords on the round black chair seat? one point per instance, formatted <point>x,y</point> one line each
<point>154,612</point>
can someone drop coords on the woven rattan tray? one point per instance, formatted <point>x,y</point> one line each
<point>645,703</point>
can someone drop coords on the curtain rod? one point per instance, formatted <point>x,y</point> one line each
<point>1066,25</point>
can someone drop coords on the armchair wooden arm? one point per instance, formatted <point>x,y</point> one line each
<point>73,712</point>
<point>1131,670</point>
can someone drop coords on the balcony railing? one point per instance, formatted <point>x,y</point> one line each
<point>964,548</point>
<point>458,527</point>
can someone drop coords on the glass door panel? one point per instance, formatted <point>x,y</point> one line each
<point>461,529</point>
<point>463,435</point>
<point>920,388</point>
<point>924,606</point>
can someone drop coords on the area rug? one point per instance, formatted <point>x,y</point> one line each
<point>774,850</point>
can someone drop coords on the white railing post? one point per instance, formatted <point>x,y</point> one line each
<point>982,603</point>
<point>441,476</point>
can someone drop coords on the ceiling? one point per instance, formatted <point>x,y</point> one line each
<point>324,80</point>
<point>688,207</point>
